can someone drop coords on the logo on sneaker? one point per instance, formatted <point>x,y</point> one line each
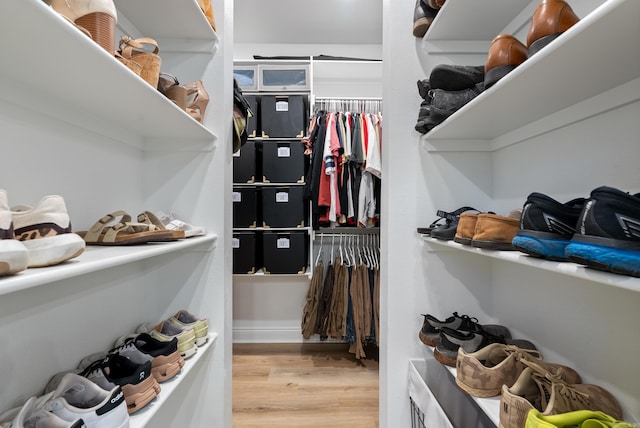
<point>556,225</point>
<point>141,375</point>
<point>583,216</point>
<point>630,226</point>
<point>117,398</point>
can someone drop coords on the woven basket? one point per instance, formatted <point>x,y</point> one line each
<point>102,27</point>
<point>133,49</point>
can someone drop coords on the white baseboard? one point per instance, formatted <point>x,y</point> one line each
<point>246,335</point>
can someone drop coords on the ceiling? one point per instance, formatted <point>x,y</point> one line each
<point>308,21</point>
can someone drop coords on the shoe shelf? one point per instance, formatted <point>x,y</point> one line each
<point>142,417</point>
<point>81,83</point>
<point>459,20</point>
<point>564,268</point>
<point>96,258</point>
<point>181,27</point>
<point>563,83</point>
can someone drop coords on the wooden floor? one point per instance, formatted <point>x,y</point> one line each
<point>304,385</point>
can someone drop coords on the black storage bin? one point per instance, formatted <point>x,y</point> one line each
<point>247,250</point>
<point>285,252</point>
<point>282,116</point>
<point>245,207</point>
<point>252,122</point>
<point>283,207</point>
<point>245,163</point>
<point>283,162</point>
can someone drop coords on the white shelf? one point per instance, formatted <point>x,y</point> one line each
<point>143,416</point>
<point>178,20</point>
<point>105,96</point>
<point>458,20</point>
<point>564,268</point>
<point>563,74</point>
<point>96,258</point>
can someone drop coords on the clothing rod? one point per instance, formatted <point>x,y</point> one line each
<point>348,98</point>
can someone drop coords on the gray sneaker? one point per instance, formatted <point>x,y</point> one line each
<point>446,350</point>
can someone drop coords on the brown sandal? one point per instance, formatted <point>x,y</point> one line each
<point>124,232</point>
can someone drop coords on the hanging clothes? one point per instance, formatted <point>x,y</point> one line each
<point>346,158</point>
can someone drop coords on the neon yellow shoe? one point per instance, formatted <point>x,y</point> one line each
<point>575,419</point>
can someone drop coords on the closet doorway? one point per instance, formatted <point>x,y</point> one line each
<point>281,379</point>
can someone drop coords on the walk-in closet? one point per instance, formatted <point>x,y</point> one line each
<point>289,283</point>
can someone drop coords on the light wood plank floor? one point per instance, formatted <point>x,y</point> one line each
<point>304,385</point>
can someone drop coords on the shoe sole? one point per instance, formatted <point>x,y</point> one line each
<point>550,249</point>
<point>421,26</point>
<point>482,393</point>
<point>165,367</point>
<point>492,245</point>
<point>52,250</point>
<point>14,257</point>
<point>541,43</point>
<point>426,339</point>
<point>445,359</point>
<point>139,395</point>
<point>604,258</point>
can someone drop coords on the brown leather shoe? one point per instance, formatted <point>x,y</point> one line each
<point>495,232</point>
<point>466,228</point>
<point>505,54</point>
<point>551,18</point>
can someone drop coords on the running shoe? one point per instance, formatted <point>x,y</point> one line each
<point>167,331</point>
<point>547,226</point>
<point>76,397</point>
<point>46,232</point>
<point>184,319</point>
<point>30,417</point>
<point>166,361</point>
<point>608,232</point>
<point>14,256</point>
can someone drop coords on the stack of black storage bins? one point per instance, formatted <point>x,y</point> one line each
<point>270,216</point>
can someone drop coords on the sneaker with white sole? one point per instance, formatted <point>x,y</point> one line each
<point>166,331</point>
<point>185,319</point>
<point>76,397</point>
<point>46,232</point>
<point>166,361</point>
<point>14,256</point>
<point>30,417</point>
<point>136,381</point>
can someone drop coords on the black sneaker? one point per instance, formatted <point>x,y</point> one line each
<point>446,350</point>
<point>547,226</point>
<point>430,331</point>
<point>608,232</point>
<point>456,77</point>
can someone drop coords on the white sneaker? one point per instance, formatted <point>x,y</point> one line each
<point>30,417</point>
<point>79,398</point>
<point>46,232</point>
<point>14,256</point>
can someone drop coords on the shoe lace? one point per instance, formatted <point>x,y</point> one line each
<point>94,367</point>
<point>573,394</point>
<point>521,354</point>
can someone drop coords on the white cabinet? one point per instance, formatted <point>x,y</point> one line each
<point>562,123</point>
<point>76,122</point>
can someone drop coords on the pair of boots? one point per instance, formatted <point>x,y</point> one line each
<point>448,88</point>
<point>424,14</point>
